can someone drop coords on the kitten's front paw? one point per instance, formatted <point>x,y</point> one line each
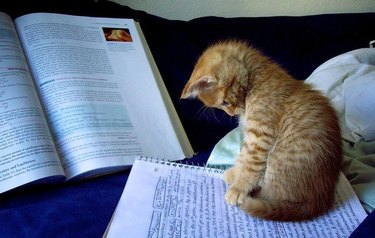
<point>230,175</point>
<point>235,196</point>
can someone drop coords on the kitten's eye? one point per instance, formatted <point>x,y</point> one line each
<point>225,103</point>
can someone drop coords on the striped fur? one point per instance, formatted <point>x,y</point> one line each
<point>291,157</point>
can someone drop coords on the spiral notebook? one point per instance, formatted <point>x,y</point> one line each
<point>167,199</point>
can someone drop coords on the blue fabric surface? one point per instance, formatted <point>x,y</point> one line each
<point>300,44</point>
<point>366,229</point>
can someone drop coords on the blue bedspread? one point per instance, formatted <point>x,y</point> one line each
<point>300,44</point>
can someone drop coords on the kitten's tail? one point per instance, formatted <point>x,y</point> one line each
<point>283,210</point>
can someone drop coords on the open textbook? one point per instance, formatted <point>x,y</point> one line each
<point>80,96</point>
<point>166,199</point>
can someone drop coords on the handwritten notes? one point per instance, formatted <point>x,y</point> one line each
<point>163,199</point>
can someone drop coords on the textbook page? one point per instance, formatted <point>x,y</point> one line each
<point>98,89</point>
<point>163,199</point>
<point>27,152</point>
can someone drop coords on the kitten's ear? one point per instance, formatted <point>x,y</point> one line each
<point>194,87</point>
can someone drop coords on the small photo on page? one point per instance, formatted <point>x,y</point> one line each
<point>117,34</point>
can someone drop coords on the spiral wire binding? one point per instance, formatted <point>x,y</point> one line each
<point>185,164</point>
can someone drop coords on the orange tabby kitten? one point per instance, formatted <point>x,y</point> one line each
<point>291,156</point>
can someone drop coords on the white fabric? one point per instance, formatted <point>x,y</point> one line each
<point>349,81</point>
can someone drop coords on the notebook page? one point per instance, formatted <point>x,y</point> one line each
<point>174,200</point>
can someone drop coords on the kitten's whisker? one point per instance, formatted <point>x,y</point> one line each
<point>213,113</point>
<point>199,114</point>
<point>206,113</point>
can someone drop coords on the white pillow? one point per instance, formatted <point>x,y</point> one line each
<point>349,81</point>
